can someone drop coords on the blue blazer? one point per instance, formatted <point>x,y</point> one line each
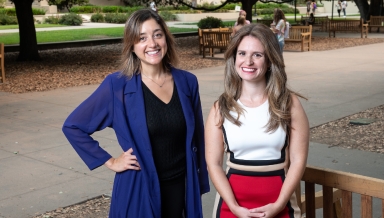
<point>118,103</point>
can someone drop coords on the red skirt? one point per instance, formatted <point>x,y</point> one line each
<point>252,191</point>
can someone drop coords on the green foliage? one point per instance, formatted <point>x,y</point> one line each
<point>2,3</point>
<point>260,5</point>
<point>98,18</point>
<point>7,20</point>
<point>229,23</point>
<point>210,22</point>
<point>52,20</point>
<point>12,11</point>
<point>67,4</point>
<point>269,11</point>
<point>167,15</point>
<point>38,11</point>
<point>71,19</point>
<point>116,18</point>
<point>104,9</point>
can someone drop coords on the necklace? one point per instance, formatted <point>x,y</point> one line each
<point>156,82</point>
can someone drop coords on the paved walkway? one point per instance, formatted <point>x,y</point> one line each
<point>40,171</point>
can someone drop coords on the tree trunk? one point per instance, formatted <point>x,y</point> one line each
<point>363,7</point>
<point>247,7</point>
<point>374,8</point>
<point>27,32</point>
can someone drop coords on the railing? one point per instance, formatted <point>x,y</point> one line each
<point>348,183</point>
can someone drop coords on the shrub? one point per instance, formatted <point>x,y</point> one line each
<point>111,9</point>
<point>210,22</point>
<point>71,19</point>
<point>51,20</point>
<point>98,18</point>
<point>38,11</point>
<point>116,18</point>
<point>167,16</point>
<point>86,9</point>
<point>7,20</point>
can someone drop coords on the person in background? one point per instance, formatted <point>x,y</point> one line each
<point>309,21</point>
<point>314,7</point>
<point>261,126</point>
<point>242,13</point>
<point>338,7</point>
<point>153,7</point>
<point>240,23</point>
<point>278,26</point>
<point>308,3</point>
<point>155,111</point>
<point>344,5</point>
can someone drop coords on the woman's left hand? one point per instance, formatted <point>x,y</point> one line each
<point>268,211</point>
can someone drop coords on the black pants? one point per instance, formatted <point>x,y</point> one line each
<point>173,198</point>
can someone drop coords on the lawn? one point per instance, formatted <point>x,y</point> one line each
<point>80,34</point>
<point>7,27</point>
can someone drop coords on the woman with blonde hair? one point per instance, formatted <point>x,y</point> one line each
<point>261,126</point>
<point>242,13</point>
<point>155,111</point>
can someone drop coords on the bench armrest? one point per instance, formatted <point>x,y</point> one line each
<point>305,34</point>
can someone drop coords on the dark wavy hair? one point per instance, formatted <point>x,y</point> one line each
<point>130,63</point>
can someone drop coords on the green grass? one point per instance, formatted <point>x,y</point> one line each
<point>7,27</point>
<point>82,34</point>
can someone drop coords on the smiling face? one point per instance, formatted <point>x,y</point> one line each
<point>152,45</point>
<point>251,64</point>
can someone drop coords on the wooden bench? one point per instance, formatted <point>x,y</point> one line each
<point>200,31</point>
<point>215,39</point>
<point>266,22</point>
<point>348,26</point>
<point>321,21</point>
<point>301,34</point>
<point>376,21</point>
<point>348,184</point>
<point>2,75</point>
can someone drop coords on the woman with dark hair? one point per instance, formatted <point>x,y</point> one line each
<point>261,126</point>
<point>278,26</point>
<point>155,111</point>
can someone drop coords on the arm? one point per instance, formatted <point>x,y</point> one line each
<point>298,153</point>
<point>214,156</point>
<point>94,114</point>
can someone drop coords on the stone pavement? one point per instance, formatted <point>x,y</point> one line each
<point>40,171</point>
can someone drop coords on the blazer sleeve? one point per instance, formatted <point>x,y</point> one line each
<point>199,137</point>
<point>94,114</point>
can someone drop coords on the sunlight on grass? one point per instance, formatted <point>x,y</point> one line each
<point>80,34</point>
<point>7,27</point>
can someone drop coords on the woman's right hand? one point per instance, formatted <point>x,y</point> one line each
<point>126,161</point>
<point>243,212</point>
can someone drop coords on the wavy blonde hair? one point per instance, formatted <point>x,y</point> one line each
<point>130,63</point>
<point>279,96</point>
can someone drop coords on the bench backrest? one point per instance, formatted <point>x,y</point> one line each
<point>348,183</point>
<point>345,25</point>
<point>376,20</point>
<point>296,31</point>
<point>318,20</point>
<point>216,39</point>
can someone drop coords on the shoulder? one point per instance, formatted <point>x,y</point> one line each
<point>184,74</point>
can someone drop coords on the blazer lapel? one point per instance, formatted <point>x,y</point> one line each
<point>135,112</point>
<point>185,99</point>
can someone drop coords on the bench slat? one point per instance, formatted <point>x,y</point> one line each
<point>346,198</point>
<point>366,206</point>
<point>310,199</point>
<point>327,201</point>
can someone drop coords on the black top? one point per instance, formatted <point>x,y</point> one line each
<point>167,132</point>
